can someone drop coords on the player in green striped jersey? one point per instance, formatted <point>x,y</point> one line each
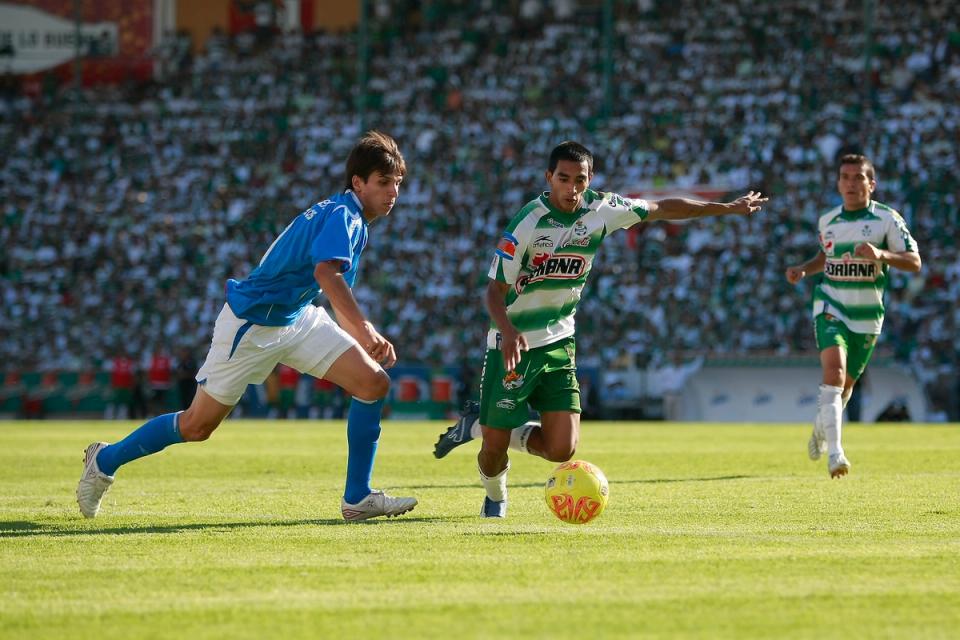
<point>859,241</point>
<point>538,273</point>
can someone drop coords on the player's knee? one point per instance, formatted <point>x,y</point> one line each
<point>834,376</point>
<point>195,430</point>
<point>560,452</point>
<point>375,388</point>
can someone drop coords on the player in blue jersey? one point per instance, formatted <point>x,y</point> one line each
<point>269,318</point>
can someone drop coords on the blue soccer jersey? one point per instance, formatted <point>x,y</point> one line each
<point>282,285</point>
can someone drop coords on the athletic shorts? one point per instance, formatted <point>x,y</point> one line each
<point>832,332</point>
<point>545,379</point>
<point>243,353</point>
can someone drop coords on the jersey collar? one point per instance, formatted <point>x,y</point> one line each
<point>857,213</point>
<point>356,200</point>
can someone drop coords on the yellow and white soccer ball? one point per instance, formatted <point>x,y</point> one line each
<point>577,492</point>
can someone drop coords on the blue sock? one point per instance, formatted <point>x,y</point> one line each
<point>363,433</point>
<point>154,436</point>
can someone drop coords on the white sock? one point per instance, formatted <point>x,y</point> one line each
<point>475,431</point>
<point>496,486</point>
<point>520,435</point>
<point>829,414</point>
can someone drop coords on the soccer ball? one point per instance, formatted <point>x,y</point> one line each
<point>577,492</point>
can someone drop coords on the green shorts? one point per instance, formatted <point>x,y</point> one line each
<point>545,379</point>
<point>832,332</point>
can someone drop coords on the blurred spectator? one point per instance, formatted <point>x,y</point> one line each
<point>287,379</point>
<point>86,394</point>
<point>122,384</point>
<point>186,377</point>
<point>12,392</point>
<point>160,381</point>
<point>668,381</point>
<point>139,395</point>
<point>271,389</point>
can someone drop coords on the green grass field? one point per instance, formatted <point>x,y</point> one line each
<point>721,531</point>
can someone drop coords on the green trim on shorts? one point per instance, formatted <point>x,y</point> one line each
<point>832,332</point>
<point>545,380</point>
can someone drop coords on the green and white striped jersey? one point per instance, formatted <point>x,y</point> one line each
<point>545,255</point>
<point>852,288</point>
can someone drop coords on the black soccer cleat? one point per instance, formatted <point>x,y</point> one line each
<point>459,433</point>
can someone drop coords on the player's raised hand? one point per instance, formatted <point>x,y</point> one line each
<point>867,250</point>
<point>795,274</point>
<point>750,203</point>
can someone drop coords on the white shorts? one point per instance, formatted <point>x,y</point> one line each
<point>243,353</point>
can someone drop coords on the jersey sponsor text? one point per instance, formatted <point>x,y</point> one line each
<point>851,270</point>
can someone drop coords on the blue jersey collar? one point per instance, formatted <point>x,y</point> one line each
<point>356,200</point>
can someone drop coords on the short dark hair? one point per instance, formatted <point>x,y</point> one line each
<point>859,160</point>
<point>570,150</point>
<point>376,151</point>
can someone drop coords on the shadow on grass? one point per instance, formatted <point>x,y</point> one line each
<point>532,485</point>
<point>23,529</point>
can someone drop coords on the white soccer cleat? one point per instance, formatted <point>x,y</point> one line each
<point>817,444</point>
<point>93,483</point>
<point>838,465</point>
<point>374,505</point>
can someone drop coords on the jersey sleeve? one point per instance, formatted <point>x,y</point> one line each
<point>621,213</point>
<point>508,256</point>
<point>898,236</point>
<point>332,241</point>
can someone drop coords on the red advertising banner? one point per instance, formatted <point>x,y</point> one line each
<point>37,36</point>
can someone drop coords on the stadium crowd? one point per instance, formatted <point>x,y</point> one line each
<point>125,208</point>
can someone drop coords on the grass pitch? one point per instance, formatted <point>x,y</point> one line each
<point>717,531</point>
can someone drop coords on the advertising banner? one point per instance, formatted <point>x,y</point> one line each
<point>113,39</point>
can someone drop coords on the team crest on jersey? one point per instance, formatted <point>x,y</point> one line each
<point>512,380</point>
<point>507,247</point>
<point>866,231</point>
<point>580,229</point>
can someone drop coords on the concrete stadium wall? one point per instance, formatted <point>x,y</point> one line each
<point>787,394</point>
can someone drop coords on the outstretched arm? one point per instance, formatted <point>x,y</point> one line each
<point>684,208</point>
<point>349,315</point>
<point>811,267</point>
